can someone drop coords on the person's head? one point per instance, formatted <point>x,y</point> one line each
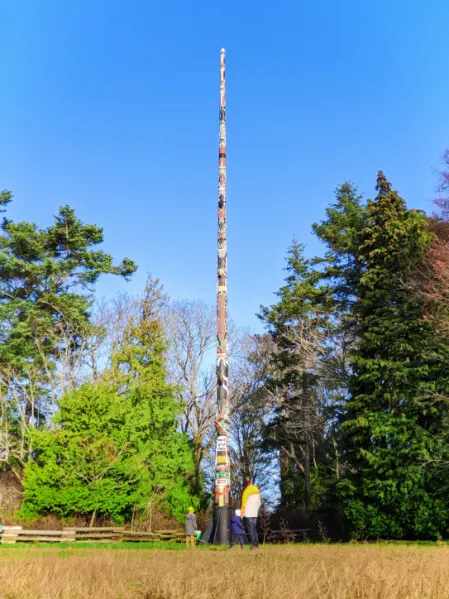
<point>248,480</point>
<point>191,510</point>
<point>237,513</point>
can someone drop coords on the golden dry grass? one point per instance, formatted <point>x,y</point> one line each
<point>307,571</point>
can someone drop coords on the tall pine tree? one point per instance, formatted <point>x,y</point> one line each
<point>394,423</point>
<point>296,324</point>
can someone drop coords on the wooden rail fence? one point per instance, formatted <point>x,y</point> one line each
<point>17,534</point>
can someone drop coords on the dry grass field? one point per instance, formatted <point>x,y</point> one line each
<point>280,572</point>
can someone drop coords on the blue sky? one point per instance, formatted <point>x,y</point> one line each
<point>112,107</point>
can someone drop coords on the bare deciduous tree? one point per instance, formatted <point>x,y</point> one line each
<point>30,394</point>
<point>297,401</point>
<point>430,280</point>
<point>191,329</point>
<point>251,409</point>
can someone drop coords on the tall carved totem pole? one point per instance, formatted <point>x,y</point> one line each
<point>217,532</point>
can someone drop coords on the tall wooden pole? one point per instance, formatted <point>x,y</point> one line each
<point>217,532</point>
<point>222,455</point>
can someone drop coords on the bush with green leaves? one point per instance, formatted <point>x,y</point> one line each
<point>116,448</point>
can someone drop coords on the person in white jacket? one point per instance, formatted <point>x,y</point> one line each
<point>251,503</point>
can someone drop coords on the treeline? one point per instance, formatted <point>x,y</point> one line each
<point>358,369</point>
<point>339,410</point>
<point>107,406</point>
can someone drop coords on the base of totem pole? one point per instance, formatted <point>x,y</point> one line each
<point>218,531</point>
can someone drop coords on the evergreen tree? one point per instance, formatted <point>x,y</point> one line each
<point>296,324</point>
<point>338,274</point>
<point>46,283</point>
<point>47,276</point>
<point>394,423</point>
<point>140,364</point>
<point>341,266</point>
<point>117,449</point>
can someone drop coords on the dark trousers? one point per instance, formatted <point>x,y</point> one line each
<point>237,539</point>
<point>251,523</point>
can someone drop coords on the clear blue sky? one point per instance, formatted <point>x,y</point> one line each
<point>112,107</point>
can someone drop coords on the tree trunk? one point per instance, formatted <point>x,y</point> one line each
<point>283,469</point>
<point>307,473</point>
<point>92,520</point>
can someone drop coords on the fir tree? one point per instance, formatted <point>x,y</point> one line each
<point>394,424</point>
<point>296,325</point>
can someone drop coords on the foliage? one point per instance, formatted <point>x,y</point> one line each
<point>116,449</point>
<point>252,411</point>
<point>346,392</point>
<point>395,424</point>
<point>47,275</point>
<point>359,369</point>
<point>192,329</point>
<point>92,462</point>
<point>46,283</point>
<point>296,324</point>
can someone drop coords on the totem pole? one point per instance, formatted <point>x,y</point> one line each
<point>217,532</point>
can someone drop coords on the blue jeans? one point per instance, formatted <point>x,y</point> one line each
<point>252,531</point>
<point>236,539</point>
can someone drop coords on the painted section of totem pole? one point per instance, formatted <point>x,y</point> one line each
<point>222,457</point>
<point>217,531</point>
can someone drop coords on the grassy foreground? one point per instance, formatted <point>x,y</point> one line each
<point>275,572</point>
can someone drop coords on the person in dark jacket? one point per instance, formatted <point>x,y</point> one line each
<point>237,530</point>
<point>190,528</point>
